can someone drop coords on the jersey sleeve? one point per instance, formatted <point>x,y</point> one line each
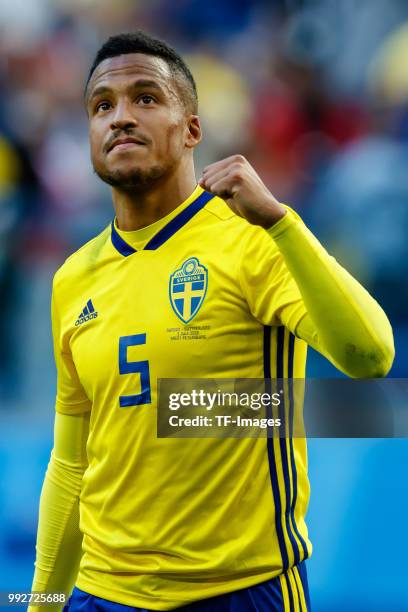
<point>59,540</point>
<point>302,287</point>
<point>71,397</point>
<point>269,288</point>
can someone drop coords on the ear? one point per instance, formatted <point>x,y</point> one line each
<point>193,133</point>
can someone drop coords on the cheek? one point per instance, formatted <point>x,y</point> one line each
<point>174,140</point>
<point>95,144</point>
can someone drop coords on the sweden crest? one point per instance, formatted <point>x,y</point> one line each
<point>187,289</point>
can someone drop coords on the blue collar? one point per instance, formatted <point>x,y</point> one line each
<point>166,232</point>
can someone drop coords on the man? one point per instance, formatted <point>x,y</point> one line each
<point>209,524</point>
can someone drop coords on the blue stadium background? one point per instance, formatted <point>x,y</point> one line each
<point>315,94</point>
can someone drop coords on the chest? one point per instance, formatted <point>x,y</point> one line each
<point>154,315</point>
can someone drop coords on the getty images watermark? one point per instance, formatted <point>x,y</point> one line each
<point>318,408</point>
<point>219,408</point>
<point>211,401</point>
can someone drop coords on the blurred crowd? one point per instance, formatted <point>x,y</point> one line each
<point>314,93</point>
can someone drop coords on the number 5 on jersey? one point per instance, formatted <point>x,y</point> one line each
<point>134,367</point>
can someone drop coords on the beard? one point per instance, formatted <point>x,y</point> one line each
<point>135,179</point>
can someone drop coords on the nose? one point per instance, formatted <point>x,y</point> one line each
<point>123,117</point>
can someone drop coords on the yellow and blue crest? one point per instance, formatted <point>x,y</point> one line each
<point>187,289</point>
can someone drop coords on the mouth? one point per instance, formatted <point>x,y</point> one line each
<point>125,143</point>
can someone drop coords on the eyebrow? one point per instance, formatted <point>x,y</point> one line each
<point>139,84</point>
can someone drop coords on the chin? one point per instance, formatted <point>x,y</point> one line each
<point>131,178</point>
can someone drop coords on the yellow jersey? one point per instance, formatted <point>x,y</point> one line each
<point>199,294</point>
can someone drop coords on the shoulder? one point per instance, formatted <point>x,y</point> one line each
<point>245,235</point>
<point>218,208</point>
<point>82,261</point>
<point>229,222</point>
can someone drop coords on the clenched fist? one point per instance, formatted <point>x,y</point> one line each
<point>234,180</point>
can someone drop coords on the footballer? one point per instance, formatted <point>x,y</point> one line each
<point>212,278</point>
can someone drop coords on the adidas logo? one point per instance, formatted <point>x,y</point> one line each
<point>87,314</point>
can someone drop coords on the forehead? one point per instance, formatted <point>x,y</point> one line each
<point>128,67</point>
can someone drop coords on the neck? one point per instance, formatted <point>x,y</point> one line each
<point>139,208</point>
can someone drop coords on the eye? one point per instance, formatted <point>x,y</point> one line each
<point>146,99</point>
<point>102,106</point>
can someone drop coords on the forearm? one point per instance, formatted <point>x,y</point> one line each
<point>343,321</point>
<point>58,548</point>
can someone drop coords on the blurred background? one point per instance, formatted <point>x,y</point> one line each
<point>315,94</point>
